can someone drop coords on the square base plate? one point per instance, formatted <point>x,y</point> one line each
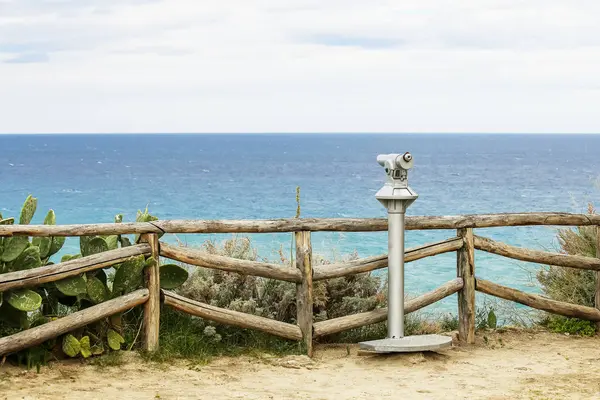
<point>407,344</point>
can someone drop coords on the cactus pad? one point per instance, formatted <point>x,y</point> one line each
<point>172,276</point>
<point>69,257</point>
<point>44,243</point>
<point>94,246</point>
<point>24,300</point>
<point>96,290</point>
<point>72,286</point>
<point>84,344</point>
<point>129,276</point>
<point>57,244</point>
<point>13,247</point>
<point>28,259</point>
<point>112,242</point>
<point>114,340</point>
<point>71,345</point>
<point>28,210</point>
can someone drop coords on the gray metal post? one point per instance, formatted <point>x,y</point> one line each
<point>396,275</point>
<point>396,196</point>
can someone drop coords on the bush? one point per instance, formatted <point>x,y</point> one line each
<point>277,299</point>
<point>569,284</point>
<point>572,326</point>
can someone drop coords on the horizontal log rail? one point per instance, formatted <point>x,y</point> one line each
<point>536,256</point>
<point>304,224</point>
<point>206,260</point>
<point>55,272</point>
<point>537,301</point>
<point>341,324</point>
<point>322,272</point>
<point>230,317</point>
<point>50,330</point>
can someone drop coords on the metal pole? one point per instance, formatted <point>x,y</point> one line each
<point>395,275</point>
<point>396,196</point>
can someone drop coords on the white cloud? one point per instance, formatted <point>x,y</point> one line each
<point>257,66</point>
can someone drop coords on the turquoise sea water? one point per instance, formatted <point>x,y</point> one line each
<point>90,178</point>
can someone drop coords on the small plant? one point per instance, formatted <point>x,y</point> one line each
<point>449,322</point>
<point>485,317</point>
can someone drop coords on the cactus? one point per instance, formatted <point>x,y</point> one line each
<point>92,245</point>
<point>96,291</point>
<point>13,317</point>
<point>68,257</point>
<point>144,216</point>
<point>114,340</point>
<point>128,276</point>
<point>24,300</point>
<point>28,210</point>
<point>13,247</point>
<point>18,253</point>
<point>44,243</point>
<point>71,345</point>
<point>28,259</point>
<point>112,242</point>
<point>57,244</point>
<point>72,286</point>
<point>85,347</point>
<point>172,276</point>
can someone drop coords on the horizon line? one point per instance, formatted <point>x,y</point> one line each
<point>296,133</point>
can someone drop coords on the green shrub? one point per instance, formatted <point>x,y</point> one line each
<point>570,284</point>
<point>573,326</point>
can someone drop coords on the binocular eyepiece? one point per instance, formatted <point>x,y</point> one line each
<point>393,162</point>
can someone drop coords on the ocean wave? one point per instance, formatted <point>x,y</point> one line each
<point>68,191</point>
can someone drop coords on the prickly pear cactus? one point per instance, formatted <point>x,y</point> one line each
<point>28,210</point>
<point>144,216</point>
<point>71,346</point>
<point>28,259</point>
<point>129,276</point>
<point>13,247</point>
<point>172,276</point>
<point>24,308</point>
<point>97,291</point>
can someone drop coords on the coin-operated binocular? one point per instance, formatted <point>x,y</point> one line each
<point>396,196</point>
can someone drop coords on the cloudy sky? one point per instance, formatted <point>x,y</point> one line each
<point>299,66</point>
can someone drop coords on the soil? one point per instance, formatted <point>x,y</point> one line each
<point>507,365</point>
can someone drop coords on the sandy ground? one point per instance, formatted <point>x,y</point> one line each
<point>508,365</point>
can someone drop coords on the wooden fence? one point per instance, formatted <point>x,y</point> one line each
<point>304,274</point>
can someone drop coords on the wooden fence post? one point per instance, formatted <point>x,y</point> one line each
<point>466,296</point>
<point>597,296</point>
<point>304,289</point>
<point>152,306</point>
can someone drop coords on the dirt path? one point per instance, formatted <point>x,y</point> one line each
<point>505,366</point>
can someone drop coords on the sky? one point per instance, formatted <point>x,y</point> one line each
<point>127,66</point>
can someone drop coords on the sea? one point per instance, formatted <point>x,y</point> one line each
<point>90,178</point>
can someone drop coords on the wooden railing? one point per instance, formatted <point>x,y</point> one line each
<point>304,274</point>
